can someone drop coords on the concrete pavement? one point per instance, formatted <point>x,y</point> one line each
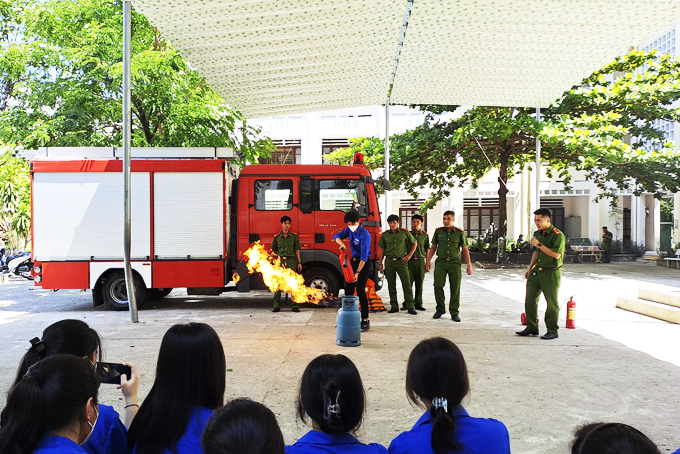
<point>607,369</point>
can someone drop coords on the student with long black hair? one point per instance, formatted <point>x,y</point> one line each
<point>332,396</point>
<point>437,379</point>
<point>243,427</point>
<point>611,438</point>
<point>52,409</point>
<point>75,337</point>
<point>189,386</point>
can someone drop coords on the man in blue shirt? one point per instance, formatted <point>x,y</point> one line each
<point>360,245</point>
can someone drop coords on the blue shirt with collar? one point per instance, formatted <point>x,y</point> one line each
<point>109,435</point>
<point>359,241</point>
<point>315,442</point>
<point>53,444</point>
<point>477,435</point>
<point>190,443</point>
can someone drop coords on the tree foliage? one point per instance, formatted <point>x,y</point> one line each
<point>70,90</point>
<point>14,197</point>
<point>604,127</point>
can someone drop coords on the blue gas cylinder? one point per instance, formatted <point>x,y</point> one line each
<point>349,322</point>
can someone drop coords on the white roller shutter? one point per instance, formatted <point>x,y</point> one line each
<point>188,214</point>
<point>79,215</point>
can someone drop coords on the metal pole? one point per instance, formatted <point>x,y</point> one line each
<point>127,131</point>
<point>388,201</point>
<point>538,163</point>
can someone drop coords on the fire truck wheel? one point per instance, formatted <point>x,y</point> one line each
<point>114,292</point>
<point>322,279</point>
<point>157,293</point>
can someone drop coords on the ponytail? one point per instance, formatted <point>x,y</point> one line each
<point>332,394</point>
<point>73,337</point>
<point>22,425</point>
<point>436,372</point>
<point>443,429</point>
<point>48,398</point>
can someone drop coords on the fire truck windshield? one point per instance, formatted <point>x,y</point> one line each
<point>342,195</point>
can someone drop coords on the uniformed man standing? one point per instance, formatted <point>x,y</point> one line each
<point>607,244</point>
<point>448,242</point>
<point>397,247</point>
<point>416,266</point>
<point>287,246</point>
<point>543,275</point>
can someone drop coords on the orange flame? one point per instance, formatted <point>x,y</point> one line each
<point>235,277</point>
<point>277,277</point>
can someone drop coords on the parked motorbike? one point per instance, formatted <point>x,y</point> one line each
<point>19,264</point>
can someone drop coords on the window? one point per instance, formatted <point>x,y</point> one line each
<point>343,195</point>
<point>626,224</point>
<point>330,145</point>
<point>477,220</point>
<point>274,195</point>
<point>287,152</point>
<point>406,216</point>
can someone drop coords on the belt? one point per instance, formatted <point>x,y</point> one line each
<point>552,268</point>
<point>417,258</point>
<point>392,257</point>
<point>286,258</point>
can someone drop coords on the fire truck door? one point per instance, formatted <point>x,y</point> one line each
<point>335,197</point>
<point>272,198</point>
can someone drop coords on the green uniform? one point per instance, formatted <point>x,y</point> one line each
<point>545,278</point>
<point>416,266</point>
<point>449,245</point>
<point>285,247</point>
<point>397,245</point>
<point>607,245</point>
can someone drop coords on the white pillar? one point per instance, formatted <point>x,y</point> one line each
<point>388,198</point>
<point>676,218</point>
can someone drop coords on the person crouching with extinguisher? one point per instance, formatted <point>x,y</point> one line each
<point>360,246</point>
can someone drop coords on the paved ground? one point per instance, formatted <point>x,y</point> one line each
<point>616,366</point>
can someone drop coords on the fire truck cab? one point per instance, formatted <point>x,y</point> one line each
<point>193,217</point>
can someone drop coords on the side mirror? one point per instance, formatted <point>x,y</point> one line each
<point>386,185</point>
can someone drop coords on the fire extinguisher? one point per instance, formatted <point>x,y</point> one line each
<point>571,313</point>
<point>523,318</point>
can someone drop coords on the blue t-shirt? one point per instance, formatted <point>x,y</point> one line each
<point>53,444</point>
<point>359,241</point>
<point>477,435</point>
<point>190,443</point>
<point>109,435</point>
<point>314,442</point>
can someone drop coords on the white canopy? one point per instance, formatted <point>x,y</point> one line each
<point>270,57</point>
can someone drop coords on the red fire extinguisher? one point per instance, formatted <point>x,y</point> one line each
<point>523,318</point>
<point>571,313</point>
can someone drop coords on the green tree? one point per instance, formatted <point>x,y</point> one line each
<point>71,94</point>
<point>604,127</point>
<point>15,198</point>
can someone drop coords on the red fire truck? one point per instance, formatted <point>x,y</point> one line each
<point>192,219</point>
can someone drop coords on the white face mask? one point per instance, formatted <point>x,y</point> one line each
<point>92,428</point>
<point>353,228</point>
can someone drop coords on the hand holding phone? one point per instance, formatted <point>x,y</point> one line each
<point>110,373</point>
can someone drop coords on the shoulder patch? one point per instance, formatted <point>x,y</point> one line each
<point>404,230</point>
<point>459,229</point>
<point>423,231</point>
<point>557,232</point>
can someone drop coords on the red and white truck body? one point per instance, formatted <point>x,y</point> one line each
<point>192,219</point>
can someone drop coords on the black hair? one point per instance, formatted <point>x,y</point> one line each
<point>418,217</point>
<point>449,213</point>
<point>243,427</point>
<point>392,217</point>
<point>352,216</point>
<point>436,369</point>
<point>332,394</point>
<point>50,397</point>
<point>605,228</point>
<point>611,438</point>
<point>285,218</point>
<point>191,372</point>
<point>543,212</point>
<point>71,337</point>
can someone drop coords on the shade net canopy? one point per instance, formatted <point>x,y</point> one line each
<point>273,57</point>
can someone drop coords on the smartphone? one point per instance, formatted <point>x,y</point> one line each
<point>110,373</point>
